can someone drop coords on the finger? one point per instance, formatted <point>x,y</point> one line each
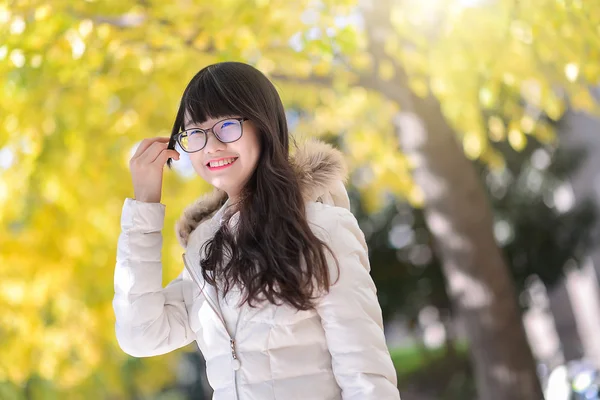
<point>152,152</point>
<point>144,144</point>
<point>165,155</point>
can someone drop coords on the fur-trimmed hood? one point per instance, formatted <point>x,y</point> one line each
<point>321,171</point>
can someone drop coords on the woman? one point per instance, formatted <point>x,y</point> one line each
<point>275,286</point>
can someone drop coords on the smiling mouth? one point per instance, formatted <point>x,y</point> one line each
<point>221,164</point>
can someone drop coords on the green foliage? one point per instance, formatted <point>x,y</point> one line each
<point>434,374</point>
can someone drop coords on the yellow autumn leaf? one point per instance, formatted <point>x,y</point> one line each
<point>517,139</point>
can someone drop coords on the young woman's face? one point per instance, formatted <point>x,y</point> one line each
<point>227,166</point>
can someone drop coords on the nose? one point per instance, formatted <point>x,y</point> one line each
<point>213,144</point>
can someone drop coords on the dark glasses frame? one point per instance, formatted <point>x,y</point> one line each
<point>183,133</point>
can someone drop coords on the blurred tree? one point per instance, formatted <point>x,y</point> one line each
<point>83,82</point>
<point>538,238</point>
<point>455,205</point>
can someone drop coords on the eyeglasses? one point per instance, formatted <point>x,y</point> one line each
<point>226,131</point>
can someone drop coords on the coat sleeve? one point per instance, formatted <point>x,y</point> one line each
<point>150,319</point>
<point>351,315</point>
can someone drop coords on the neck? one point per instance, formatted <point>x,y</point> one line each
<point>232,199</point>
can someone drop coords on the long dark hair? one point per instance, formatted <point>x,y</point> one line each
<point>272,253</point>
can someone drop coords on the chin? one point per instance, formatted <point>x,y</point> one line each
<point>223,186</point>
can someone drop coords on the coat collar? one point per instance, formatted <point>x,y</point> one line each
<point>321,172</point>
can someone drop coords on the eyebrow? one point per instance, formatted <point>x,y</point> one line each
<point>190,122</point>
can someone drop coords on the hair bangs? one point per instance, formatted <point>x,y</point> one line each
<point>208,98</point>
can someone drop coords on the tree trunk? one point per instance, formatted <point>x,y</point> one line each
<point>459,216</point>
<point>565,321</point>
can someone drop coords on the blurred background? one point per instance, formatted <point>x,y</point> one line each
<point>472,132</point>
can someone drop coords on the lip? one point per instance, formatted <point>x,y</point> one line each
<point>222,166</point>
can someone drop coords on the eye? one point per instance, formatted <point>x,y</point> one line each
<point>193,132</point>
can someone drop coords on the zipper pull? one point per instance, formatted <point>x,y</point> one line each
<point>235,363</point>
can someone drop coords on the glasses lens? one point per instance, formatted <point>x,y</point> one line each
<point>193,140</point>
<point>229,130</point>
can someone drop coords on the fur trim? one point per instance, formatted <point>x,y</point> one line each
<point>195,213</point>
<point>320,169</point>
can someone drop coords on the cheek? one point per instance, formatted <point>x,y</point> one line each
<point>197,164</point>
<point>253,145</point>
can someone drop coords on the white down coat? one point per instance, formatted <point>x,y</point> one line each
<point>336,351</point>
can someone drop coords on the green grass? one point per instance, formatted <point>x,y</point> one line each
<point>409,360</point>
<point>434,373</point>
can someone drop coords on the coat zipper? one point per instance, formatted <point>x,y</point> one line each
<point>208,298</point>
<point>235,361</point>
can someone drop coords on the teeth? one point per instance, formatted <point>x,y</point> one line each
<point>220,163</point>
